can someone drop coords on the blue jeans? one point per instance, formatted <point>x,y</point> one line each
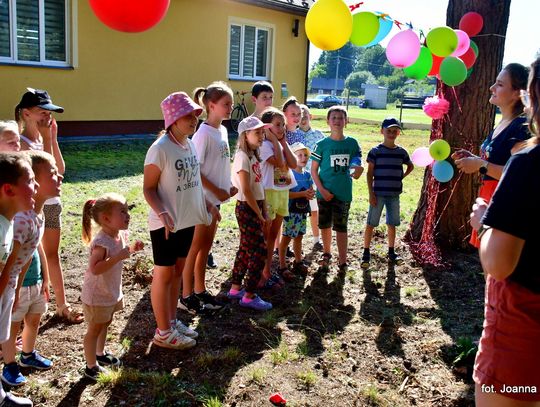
<point>392,211</point>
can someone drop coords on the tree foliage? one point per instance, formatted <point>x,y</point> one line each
<point>356,79</point>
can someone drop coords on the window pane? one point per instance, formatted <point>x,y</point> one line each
<point>55,30</point>
<point>234,50</point>
<point>5,50</point>
<point>249,51</point>
<point>262,50</point>
<point>28,30</point>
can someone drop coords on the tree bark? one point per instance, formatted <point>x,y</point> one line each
<point>470,119</point>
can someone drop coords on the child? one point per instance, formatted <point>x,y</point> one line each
<point>251,215</point>
<point>17,190</point>
<point>333,159</point>
<point>39,132</point>
<point>173,189</point>
<point>293,116</point>
<point>385,184</point>
<point>32,291</point>
<point>277,161</point>
<point>294,225</point>
<point>102,287</point>
<point>212,146</point>
<point>9,136</point>
<point>262,95</point>
<point>310,137</point>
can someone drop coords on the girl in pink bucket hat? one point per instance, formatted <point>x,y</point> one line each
<point>173,189</point>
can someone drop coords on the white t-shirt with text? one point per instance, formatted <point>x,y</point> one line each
<point>252,166</point>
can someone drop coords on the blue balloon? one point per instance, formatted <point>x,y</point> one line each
<point>385,25</point>
<point>442,171</point>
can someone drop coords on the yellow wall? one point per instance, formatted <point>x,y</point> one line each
<point>125,76</point>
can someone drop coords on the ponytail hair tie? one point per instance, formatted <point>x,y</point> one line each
<point>92,202</point>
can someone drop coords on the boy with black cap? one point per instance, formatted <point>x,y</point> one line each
<point>384,179</point>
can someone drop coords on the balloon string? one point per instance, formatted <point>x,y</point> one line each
<point>456,99</point>
<point>490,35</point>
<point>448,202</point>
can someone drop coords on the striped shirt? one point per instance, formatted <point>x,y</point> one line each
<point>388,171</point>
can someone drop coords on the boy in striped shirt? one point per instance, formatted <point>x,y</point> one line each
<point>384,179</point>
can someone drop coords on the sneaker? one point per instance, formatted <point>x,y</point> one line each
<point>184,329</point>
<point>318,247</point>
<point>210,263</point>
<point>191,304</point>
<point>394,258</point>
<point>209,302</point>
<point>93,372</point>
<point>173,340</point>
<point>365,261</point>
<point>238,296</point>
<point>13,401</point>
<point>11,374</point>
<point>36,361</point>
<point>324,262</point>
<point>257,303</point>
<point>108,359</point>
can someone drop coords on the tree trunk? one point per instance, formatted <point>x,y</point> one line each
<point>470,119</point>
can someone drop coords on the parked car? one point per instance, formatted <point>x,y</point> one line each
<point>324,101</point>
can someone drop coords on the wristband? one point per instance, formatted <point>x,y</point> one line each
<point>481,230</point>
<point>162,213</point>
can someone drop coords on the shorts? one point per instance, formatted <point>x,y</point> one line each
<point>167,251</point>
<point>313,205</point>
<point>294,225</point>
<point>52,214</point>
<point>277,203</point>
<point>31,301</point>
<point>101,315</point>
<point>334,214</point>
<point>392,211</point>
<point>6,304</point>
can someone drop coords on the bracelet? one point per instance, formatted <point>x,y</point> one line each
<point>481,230</point>
<point>162,213</point>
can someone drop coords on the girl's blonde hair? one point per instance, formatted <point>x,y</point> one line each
<point>38,157</point>
<point>93,208</point>
<point>8,125</point>
<point>244,146</point>
<point>212,93</point>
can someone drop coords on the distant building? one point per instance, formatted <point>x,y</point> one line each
<point>327,86</point>
<point>376,96</point>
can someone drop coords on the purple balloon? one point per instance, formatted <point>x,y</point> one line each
<point>463,44</point>
<point>421,157</point>
<point>403,49</point>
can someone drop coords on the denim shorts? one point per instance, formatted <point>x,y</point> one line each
<point>392,211</point>
<point>334,214</point>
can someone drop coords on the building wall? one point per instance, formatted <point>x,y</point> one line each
<point>123,76</point>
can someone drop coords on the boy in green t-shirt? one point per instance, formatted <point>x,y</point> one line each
<point>336,159</point>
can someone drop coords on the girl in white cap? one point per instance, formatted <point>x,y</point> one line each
<point>173,189</point>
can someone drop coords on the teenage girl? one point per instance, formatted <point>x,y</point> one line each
<point>277,161</point>
<point>173,189</point>
<point>102,287</point>
<point>251,214</point>
<point>212,145</point>
<point>39,132</point>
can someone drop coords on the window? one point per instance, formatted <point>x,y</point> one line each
<point>34,32</point>
<point>249,51</point>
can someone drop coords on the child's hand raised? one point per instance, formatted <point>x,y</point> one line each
<point>137,246</point>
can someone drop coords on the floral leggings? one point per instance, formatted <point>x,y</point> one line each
<point>251,255</point>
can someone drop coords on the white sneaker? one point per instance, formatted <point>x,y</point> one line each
<point>173,340</point>
<point>185,330</point>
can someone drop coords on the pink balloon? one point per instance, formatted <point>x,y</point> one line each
<point>421,157</point>
<point>403,49</point>
<point>463,44</point>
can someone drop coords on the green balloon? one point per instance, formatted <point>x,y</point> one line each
<point>474,48</point>
<point>365,28</point>
<point>439,150</point>
<point>442,41</point>
<point>421,66</point>
<point>453,71</point>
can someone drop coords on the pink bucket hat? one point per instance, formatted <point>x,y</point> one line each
<point>177,105</point>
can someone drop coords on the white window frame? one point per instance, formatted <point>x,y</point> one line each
<point>42,60</point>
<point>258,25</point>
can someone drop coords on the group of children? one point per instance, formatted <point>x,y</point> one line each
<point>282,171</point>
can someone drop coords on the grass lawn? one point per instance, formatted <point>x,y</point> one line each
<point>408,115</point>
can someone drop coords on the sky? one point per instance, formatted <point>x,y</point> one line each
<point>522,35</point>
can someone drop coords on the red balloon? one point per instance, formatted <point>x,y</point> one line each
<point>131,16</point>
<point>436,65</point>
<point>469,57</point>
<point>471,23</point>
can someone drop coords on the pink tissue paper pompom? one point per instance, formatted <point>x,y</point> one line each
<point>436,107</point>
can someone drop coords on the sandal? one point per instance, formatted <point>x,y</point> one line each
<point>286,274</point>
<point>324,262</point>
<point>274,282</point>
<point>68,314</point>
<point>300,268</point>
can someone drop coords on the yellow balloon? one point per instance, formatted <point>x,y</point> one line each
<point>329,24</point>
